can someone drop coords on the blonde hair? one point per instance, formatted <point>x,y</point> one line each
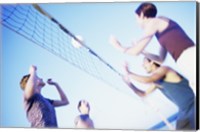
<point>24,81</point>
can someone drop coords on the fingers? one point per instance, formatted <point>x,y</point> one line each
<point>49,80</point>
<point>32,69</point>
<point>125,67</point>
<point>113,40</point>
<point>125,77</point>
<point>125,64</point>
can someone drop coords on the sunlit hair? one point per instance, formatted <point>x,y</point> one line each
<point>23,81</point>
<point>148,9</point>
<point>79,105</point>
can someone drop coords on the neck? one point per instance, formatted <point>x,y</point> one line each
<point>85,113</point>
<point>147,21</point>
<point>38,90</point>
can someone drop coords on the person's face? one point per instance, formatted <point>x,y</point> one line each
<point>147,65</point>
<point>84,108</point>
<point>140,19</point>
<point>40,82</point>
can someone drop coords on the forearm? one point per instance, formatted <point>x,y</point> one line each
<point>136,90</point>
<point>139,78</point>
<point>62,94</point>
<point>138,47</point>
<point>31,84</point>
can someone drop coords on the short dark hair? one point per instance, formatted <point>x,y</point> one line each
<point>79,105</point>
<point>24,81</point>
<point>148,9</point>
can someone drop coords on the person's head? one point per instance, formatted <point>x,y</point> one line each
<point>24,80</point>
<point>150,65</point>
<point>40,82</point>
<point>151,61</point>
<point>145,11</point>
<point>148,10</point>
<point>83,107</point>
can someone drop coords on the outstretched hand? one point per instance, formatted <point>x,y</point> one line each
<point>50,82</point>
<point>126,68</point>
<point>115,43</point>
<point>32,69</point>
<point>126,72</point>
<point>126,78</point>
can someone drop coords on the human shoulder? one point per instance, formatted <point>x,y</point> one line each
<point>35,95</point>
<point>163,68</point>
<point>152,26</point>
<point>162,23</point>
<point>49,100</point>
<point>157,22</point>
<point>159,73</point>
<point>173,76</point>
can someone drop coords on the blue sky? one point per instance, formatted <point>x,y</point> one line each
<point>110,108</point>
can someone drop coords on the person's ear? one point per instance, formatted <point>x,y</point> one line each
<point>152,62</point>
<point>142,15</point>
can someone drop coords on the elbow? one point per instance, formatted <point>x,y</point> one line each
<point>65,102</point>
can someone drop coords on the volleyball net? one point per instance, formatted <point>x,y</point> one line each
<point>36,25</point>
<point>33,23</point>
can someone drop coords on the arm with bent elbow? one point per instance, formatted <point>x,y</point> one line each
<point>136,49</point>
<point>137,90</point>
<point>157,75</point>
<point>64,100</point>
<point>31,83</point>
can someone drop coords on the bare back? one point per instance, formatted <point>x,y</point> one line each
<point>154,25</point>
<point>172,76</point>
<point>163,23</point>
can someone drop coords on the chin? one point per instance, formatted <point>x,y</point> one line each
<point>43,84</point>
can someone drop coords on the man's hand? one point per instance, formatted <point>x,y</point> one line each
<point>32,69</point>
<point>63,100</point>
<point>115,43</point>
<point>50,82</point>
<point>31,84</point>
<point>126,68</point>
<point>126,79</point>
